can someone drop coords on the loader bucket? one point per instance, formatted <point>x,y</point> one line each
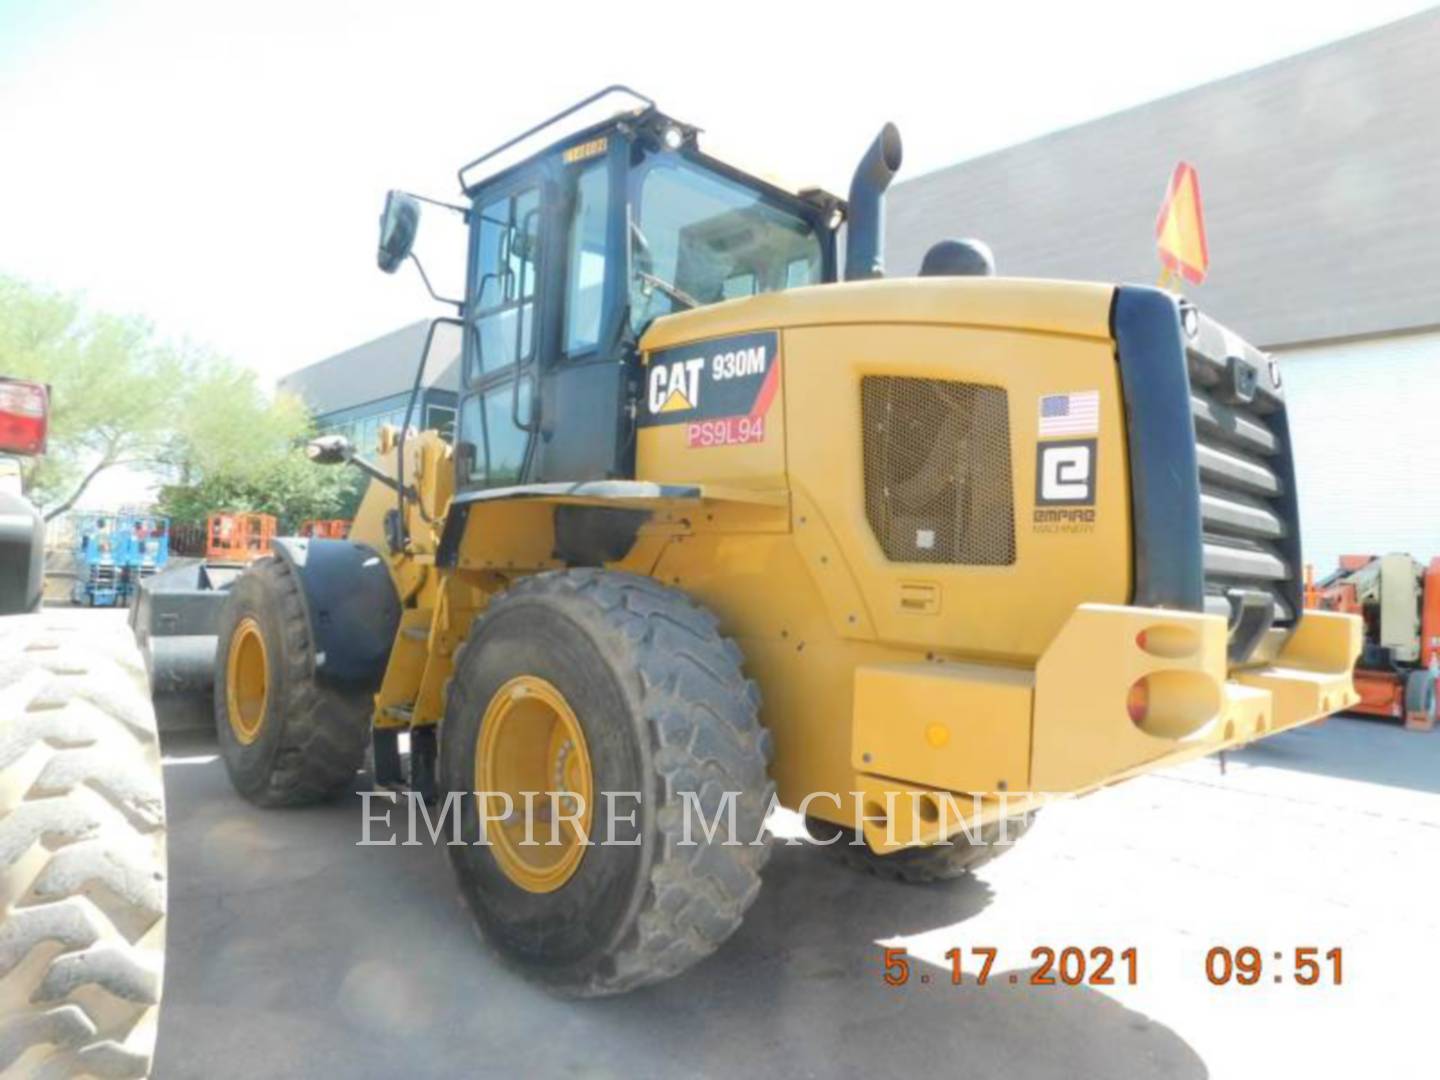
<point>174,616</point>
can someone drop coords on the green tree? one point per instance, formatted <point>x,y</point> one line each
<point>120,396</point>
<point>226,425</point>
<point>234,447</point>
<point>289,485</point>
<point>113,388</point>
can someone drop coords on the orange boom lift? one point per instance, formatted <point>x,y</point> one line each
<point>1399,600</point>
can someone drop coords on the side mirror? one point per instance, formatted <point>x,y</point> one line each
<point>399,222</point>
<point>329,450</point>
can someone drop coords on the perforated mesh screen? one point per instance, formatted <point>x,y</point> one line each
<point>938,486</point>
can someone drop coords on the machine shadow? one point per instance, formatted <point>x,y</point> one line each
<point>1353,748</point>
<point>802,982</point>
<point>285,934</point>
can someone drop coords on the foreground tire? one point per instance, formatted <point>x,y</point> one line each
<point>287,739</point>
<point>922,865</point>
<point>82,849</point>
<point>589,682</point>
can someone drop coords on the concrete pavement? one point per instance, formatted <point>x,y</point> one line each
<point>294,952</point>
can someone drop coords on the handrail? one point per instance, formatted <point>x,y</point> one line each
<point>615,88</point>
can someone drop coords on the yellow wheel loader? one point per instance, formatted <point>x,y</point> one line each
<point>725,519</point>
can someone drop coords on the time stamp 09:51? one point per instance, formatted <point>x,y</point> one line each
<point>1245,965</point>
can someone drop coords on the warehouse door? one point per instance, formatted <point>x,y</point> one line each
<point>1365,422</point>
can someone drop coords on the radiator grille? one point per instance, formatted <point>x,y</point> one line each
<point>938,483</point>
<point>1247,501</point>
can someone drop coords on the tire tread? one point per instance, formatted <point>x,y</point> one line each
<point>701,716</point>
<point>325,731</point>
<point>82,849</point>
<point>923,865</point>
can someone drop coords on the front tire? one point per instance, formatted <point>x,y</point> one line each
<point>82,850</point>
<point>629,687</point>
<point>286,738</point>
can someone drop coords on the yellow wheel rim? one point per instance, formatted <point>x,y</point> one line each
<point>530,741</point>
<point>247,681</point>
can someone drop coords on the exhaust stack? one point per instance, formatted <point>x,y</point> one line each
<point>865,235</point>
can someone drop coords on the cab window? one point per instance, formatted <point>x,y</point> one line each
<point>505,277</point>
<point>495,447</point>
<point>699,238</point>
<point>585,272</point>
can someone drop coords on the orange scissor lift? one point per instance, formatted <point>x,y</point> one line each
<point>326,528</point>
<point>233,537</point>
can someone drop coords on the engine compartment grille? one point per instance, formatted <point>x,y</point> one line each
<point>1250,536</point>
<point>938,482</point>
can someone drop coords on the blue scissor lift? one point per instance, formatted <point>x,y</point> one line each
<point>114,553</point>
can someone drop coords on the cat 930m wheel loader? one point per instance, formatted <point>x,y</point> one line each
<point>723,520</point>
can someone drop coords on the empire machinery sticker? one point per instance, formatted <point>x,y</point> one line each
<point>1065,464</point>
<point>721,390</point>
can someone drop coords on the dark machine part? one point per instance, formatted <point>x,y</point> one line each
<point>1216,527</point>
<point>348,598</point>
<point>174,615</point>
<point>595,535</point>
<point>22,554</point>
<point>958,258</point>
<point>865,235</point>
<point>352,607</point>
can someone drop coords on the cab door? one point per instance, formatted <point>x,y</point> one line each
<point>507,298</point>
<point>545,372</point>
<point>586,431</point>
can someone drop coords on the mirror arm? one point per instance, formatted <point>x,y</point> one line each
<point>458,305</point>
<point>464,212</point>
<point>378,474</point>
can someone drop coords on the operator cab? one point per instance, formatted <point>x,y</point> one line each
<point>573,251</point>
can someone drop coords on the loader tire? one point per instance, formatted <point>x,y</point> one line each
<point>656,703</point>
<point>921,865</point>
<point>82,849</point>
<point>289,739</point>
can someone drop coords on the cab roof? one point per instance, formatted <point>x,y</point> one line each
<point>590,116</point>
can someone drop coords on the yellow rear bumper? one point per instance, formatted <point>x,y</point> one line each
<point>1067,726</point>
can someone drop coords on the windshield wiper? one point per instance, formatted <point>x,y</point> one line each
<point>679,295</point>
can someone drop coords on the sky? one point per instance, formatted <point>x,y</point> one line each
<point>219,169</point>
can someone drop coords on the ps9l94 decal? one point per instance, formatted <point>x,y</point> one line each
<point>721,388</point>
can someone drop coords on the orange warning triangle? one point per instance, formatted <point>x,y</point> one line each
<point>1180,228</point>
<point>676,402</point>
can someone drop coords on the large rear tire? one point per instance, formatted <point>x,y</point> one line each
<point>607,682</point>
<point>287,738</point>
<point>82,849</point>
<point>922,865</point>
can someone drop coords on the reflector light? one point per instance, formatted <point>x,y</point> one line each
<point>24,409</point>
<point>1137,702</point>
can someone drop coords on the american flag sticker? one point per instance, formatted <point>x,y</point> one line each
<point>1070,414</point>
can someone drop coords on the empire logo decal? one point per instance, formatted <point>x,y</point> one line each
<point>721,389</point>
<point>1065,486</point>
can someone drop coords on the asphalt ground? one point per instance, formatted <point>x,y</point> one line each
<point>295,952</point>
